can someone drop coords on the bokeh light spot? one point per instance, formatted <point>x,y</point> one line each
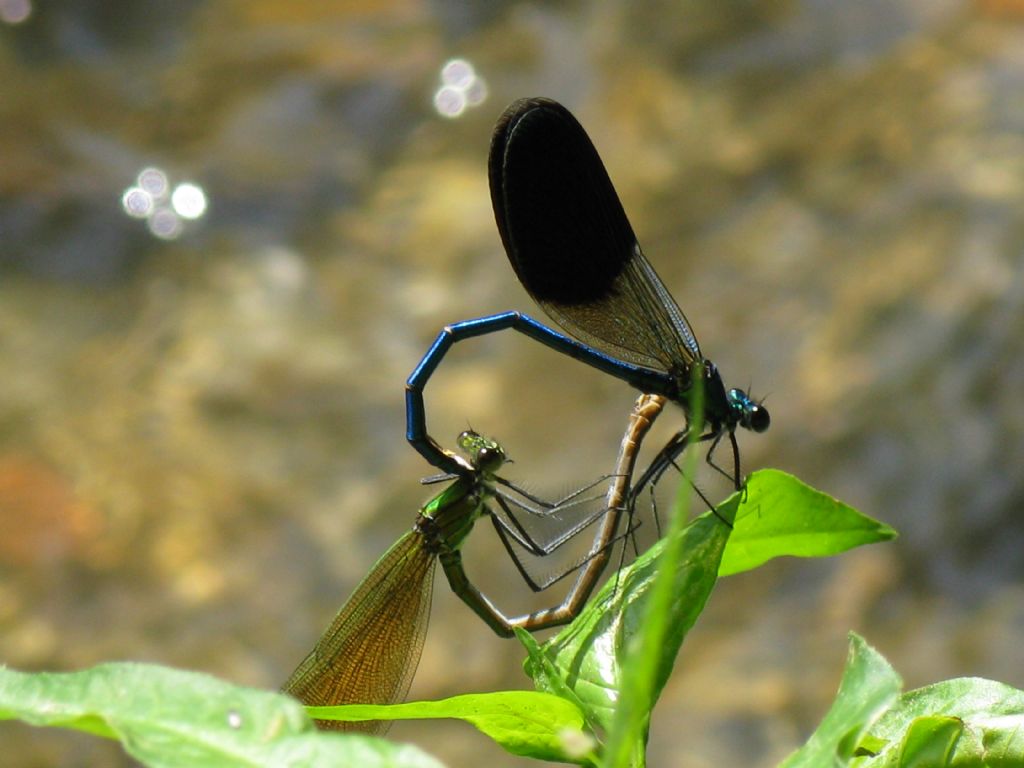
<point>450,101</point>
<point>458,73</point>
<point>154,181</point>
<point>476,92</point>
<point>165,224</point>
<point>137,202</point>
<point>167,213</point>
<point>188,200</point>
<point>15,11</point>
<point>460,88</point>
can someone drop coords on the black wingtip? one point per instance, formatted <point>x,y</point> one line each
<point>560,219</point>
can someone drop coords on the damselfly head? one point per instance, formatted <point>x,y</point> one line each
<point>484,454</point>
<point>750,414</point>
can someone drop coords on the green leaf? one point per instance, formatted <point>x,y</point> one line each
<point>548,678</point>
<point>868,688</point>
<point>930,742</point>
<point>651,652</point>
<point>780,515</point>
<point>168,717</point>
<point>961,722</point>
<point>774,515</point>
<point>525,723</point>
<point>586,657</point>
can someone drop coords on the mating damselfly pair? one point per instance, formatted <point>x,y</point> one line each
<point>573,249</point>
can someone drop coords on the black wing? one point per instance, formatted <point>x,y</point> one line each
<point>572,246</point>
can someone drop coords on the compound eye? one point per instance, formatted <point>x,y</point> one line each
<point>759,419</point>
<point>489,458</point>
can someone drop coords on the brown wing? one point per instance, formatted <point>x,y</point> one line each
<point>370,652</point>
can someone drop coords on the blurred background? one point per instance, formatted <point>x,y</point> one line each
<point>229,230</point>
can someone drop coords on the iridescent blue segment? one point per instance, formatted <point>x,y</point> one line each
<point>654,382</point>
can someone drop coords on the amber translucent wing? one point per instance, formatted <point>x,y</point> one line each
<point>370,652</point>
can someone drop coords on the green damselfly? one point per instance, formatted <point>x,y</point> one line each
<point>370,651</point>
